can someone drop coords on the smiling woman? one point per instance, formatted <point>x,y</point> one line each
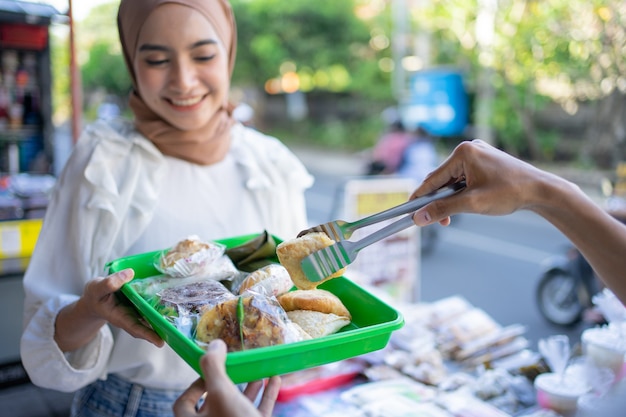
<point>182,166</point>
<point>181,63</point>
<point>182,78</point>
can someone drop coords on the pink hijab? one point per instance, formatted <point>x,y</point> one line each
<point>193,146</point>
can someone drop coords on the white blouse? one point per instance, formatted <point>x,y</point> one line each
<point>117,196</point>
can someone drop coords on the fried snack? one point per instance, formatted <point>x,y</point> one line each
<point>315,300</point>
<point>291,252</point>
<point>272,279</point>
<point>318,324</point>
<point>264,324</point>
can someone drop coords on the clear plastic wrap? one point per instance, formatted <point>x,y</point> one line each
<point>246,322</point>
<point>195,297</point>
<point>272,279</point>
<point>181,300</point>
<point>206,304</point>
<point>222,270</point>
<point>190,256</point>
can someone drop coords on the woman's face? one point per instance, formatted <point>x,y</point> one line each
<point>181,66</point>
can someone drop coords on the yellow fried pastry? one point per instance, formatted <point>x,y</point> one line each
<point>291,252</point>
<point>318,324</point>
<point>316,300</point>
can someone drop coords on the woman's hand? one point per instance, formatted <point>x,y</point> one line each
<point>78,323</point>
<point>497,184</point>
<point>223,398</point>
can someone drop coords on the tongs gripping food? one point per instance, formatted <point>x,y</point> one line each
<point>325,262</point>
<point>339,230</point>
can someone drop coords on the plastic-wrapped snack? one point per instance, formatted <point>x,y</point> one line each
<point>221,269</point>
<point>462,403</point>
<point>272,279</point>
<point>188,257</point>
<point>363,394</point>
<point>319,312</point>
<point>149,287</point>
<point>382,373</point>
<point>195,297</point>
<point>247,322</point>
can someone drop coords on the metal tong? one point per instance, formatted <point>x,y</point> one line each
<point>325,262</point>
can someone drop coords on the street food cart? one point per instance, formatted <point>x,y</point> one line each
<point>26,133</point>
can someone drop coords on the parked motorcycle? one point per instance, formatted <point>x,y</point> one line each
<point>568,283</point>
<point>566,288</point>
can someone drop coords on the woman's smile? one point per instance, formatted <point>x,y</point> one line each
<point>190,103</point>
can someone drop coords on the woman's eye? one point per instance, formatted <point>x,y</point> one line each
<point>205,58</point>
<point>156,62</point>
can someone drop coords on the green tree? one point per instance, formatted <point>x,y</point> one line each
<point>323,41</point>
<point>59,60</point>
<point>568,52</point>
<point>106,70</point>
<point>103,70</point>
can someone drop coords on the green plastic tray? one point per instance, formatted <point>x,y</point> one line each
<point>370,330</point>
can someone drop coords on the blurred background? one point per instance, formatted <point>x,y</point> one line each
<point>544,80</point>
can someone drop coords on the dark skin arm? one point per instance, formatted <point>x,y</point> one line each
<point>499,184</point>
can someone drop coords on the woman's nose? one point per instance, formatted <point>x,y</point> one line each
<point>183,76</point>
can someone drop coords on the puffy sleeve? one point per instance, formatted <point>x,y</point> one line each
<point>101,201</point>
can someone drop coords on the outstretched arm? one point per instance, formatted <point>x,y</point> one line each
<point>499,184</point>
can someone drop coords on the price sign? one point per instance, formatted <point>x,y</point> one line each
<point>392,264</point>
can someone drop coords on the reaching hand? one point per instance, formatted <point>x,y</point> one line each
<point>223,398</point>
<point>497,184</point>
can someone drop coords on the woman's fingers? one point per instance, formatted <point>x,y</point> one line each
<point>99,294</point>
<point>218,383</point>
<point>112,283</point>
<point>101,300</point>
<point>185,405</point>
<point>101,290</point>
<point>252,389</point>
<point>126,317</point>
<point>212,363</point>
<point>268,400</point>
